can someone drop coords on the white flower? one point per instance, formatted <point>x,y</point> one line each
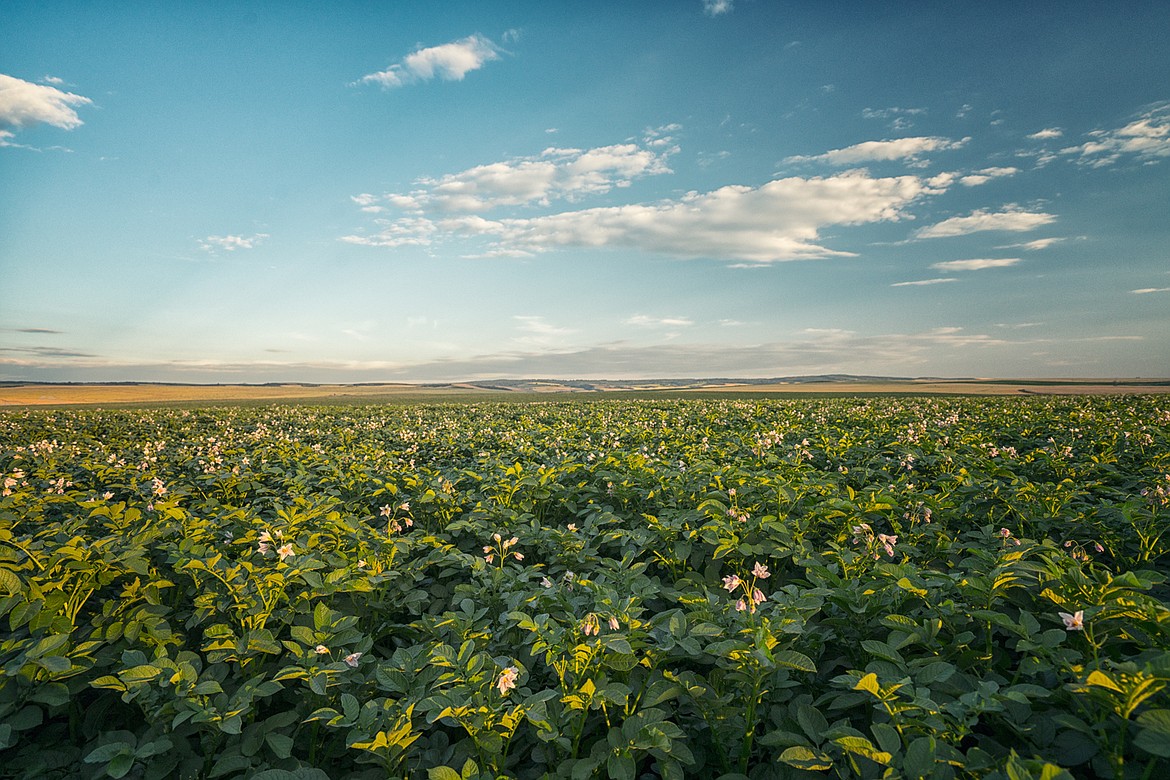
<point>507,680</point>
<point>352,659</point>
<point>1075,621</point>
<point>320,649</point>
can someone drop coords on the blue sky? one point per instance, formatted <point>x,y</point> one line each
<point>430,191</point>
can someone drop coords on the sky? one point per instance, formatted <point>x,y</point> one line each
<point>445,191</point>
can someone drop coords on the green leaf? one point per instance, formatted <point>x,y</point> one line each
<point>52,694</point>
<point>803,757</point>
<point>54,664</point>
<point>120,765</point>
<point>281,744</point>
<point>301,773</point>
<point>811,721</point>
<point>887,737</point>
<point>919,761</point>
<point>442,773</point>
<point>795,660</point>
<point>107,751</point>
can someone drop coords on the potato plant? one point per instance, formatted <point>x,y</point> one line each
<point>902,588</point>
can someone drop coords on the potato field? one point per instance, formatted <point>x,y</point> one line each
<point>881,587</point>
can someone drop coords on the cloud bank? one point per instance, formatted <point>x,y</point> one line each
<point>778,221</point>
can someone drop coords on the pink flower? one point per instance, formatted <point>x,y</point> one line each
<point>740,605</point>
<point>761,571</point>
<point>285,552</point>
<point>352,659</point>
<point>731,582</point>
<point>386,510</point>
<point>518,556</point>
<point>1005,533</point>
<point>507,680</point>
<point>1075,621</point>
<point>489,558</point>
<point>1097,546</point>
<point>758,596</point>
<point>614,624</point>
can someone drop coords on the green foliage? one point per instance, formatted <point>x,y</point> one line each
<point>922,589</point>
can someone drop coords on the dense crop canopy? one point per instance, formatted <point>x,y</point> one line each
<point>902,588</point>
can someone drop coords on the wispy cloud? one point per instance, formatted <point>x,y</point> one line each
<point>899,117</point>
<point>925,282</point>
<point>646,321</point>
<point>537,333</point>
<point>877,151</point>
<point>45,331</point>
<point>231,243</point>
<point>1047,133</point>
<point>1010,219</point>
<point>23,104</point>
<point>1147,290</point>
<point>1033,246</point>
<point>449,62</point>
<point>985,175</point>
<point>717,7</point>
<point>1146,138</point>
<point>977,264</point>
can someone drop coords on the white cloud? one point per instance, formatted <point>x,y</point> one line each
<point>1147,138</point>
<point>876,151</point>
<point>975,264</point>
<point>1011,219</point>
<point>231,243</point>
<point>986,175</point>
<point>924,282</point>
<point>538,332</point>
<point>1032,246</point>
<point>23,104</point>
<point>553,174</point>
<point>900,117</point>
<point>408,231</point>
<point>778,221</point>
<point>1148,290</point>
<point>716,7</point>
<point>449,61</point>
<point>1046,133</point>
<point>646,321</point>
<point>538,325</point>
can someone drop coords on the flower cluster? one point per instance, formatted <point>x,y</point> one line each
<point>393,523</point>
<point>1006,535</point>
<point>752,595</point>
<point>863,533</point>
<point>501,549</point>
<point>267,540</point>
<point>591,625</point>
<point>351,660</point>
